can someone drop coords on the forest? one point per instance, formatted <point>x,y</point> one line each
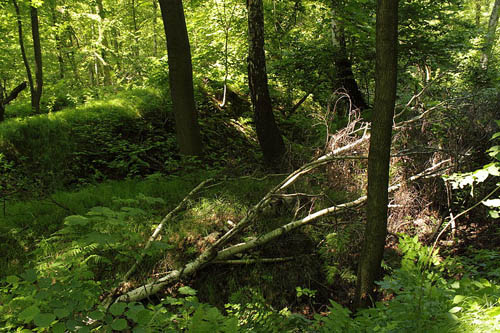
<point>249,166</point>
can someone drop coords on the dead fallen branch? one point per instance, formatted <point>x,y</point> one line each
<point>216,252</point>
<point>252,261</point>
<point>159,228</point>
<point>213,254</point>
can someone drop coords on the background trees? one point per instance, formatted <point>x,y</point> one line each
<point>256,87</point>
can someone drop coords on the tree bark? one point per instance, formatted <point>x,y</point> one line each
<point>181,77</point>
<point>155,35</point>
<point>489,39</point>
<point>23,52</point>
<point>6,100</point>
<point>478,13</point>
<point>269,136</point>
<point>38,60</point>
<point>343,65</point>
<point>104,45</point>
<point>60,60</point>
<point>379,153</point>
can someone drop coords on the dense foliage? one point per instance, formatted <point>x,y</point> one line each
<point>88,178</point>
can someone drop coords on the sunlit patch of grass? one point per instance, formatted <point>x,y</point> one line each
<point>28,222</point>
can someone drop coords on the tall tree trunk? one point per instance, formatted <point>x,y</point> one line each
<point>106,67</point>
<point>379,154</point>
<point>343,65</point>
<point>181,77</point>
<point>38,59</point>
<point>489,39</point>
<point>269,136</point>
<point>23,52</point>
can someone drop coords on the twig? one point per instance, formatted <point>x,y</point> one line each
<point>158,229</point>
<point>252,261</point>
<point>462,213</point>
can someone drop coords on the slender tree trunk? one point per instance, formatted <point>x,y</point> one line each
<point>38,59</point>
<point>478,13</point>
<point>379,154</point>
<point>489,39</point>
<point>106,67</point>
<point>23,53</point>
<point>2,98</point>
<point>343,65</point>
<point>57,38</point>
<point>155,34</point>
<point>136,30</point>
<point>73,43</point>
<point>181,77</point>
<point>269,136</point>
<point>135,46</point>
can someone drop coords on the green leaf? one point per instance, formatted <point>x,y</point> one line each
<point>44,319</point>
<point>59,328</point>
<point>45,282</point>
<point>97,315</point>
<point>187,291</point>
<point>29,313</point>
<point>494,214</point>
<point>73,220</point>
<point>119,324</point>
<point>493,312</point>
<point>12,279</point>
<point>30,275</point>
<point>84,330</point>
<point>102,211</point>
<point>496,135</point>
<point>492,203</point>
<point>144,317</point>
<point>457,299</point>
<point>493,169</point>
<point>71,324</point>
<point>481,175</point>
<point>455,309</point>
<point>141,329</point>
<point>117,308</point>
<point>61,312</point>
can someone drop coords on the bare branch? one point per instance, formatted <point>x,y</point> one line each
<point>252,261</point>
<point>158,229</point>
<point>212,253</point>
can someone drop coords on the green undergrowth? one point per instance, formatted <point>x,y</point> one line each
<point>25,224</point>
<point>425,294</point>
<point>100,140</point>
<point>128,134</point>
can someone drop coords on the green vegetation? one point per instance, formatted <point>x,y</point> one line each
<point>216,181</point>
